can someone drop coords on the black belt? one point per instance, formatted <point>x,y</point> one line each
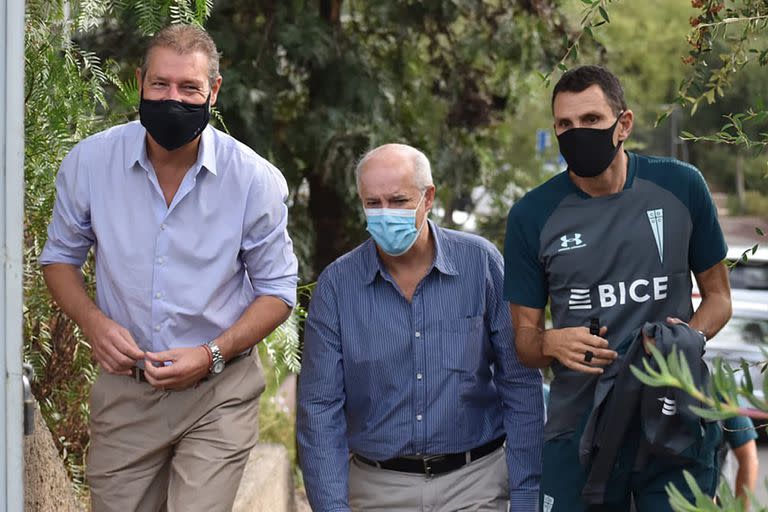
<point>436,464</point>
<point>138,374</point>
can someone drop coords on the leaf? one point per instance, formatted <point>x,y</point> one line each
<point>747,377</point>
<point>604,14</point>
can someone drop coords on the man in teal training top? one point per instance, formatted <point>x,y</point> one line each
<point>614,237</point>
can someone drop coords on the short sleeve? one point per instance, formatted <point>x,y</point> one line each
<point>707,246</point>
<point>738,431</point>
<point>524,280</point>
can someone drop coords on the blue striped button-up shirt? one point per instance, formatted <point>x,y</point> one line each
<point>386,378</point>
<point>174,276</point>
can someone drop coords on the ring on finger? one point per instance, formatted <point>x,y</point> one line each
<point>588,355</point>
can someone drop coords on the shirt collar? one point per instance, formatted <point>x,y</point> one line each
<point>206,157</point>
<point>442,262</point>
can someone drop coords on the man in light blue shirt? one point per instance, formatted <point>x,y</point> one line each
<point>194,266</point>
<point>409,365</point>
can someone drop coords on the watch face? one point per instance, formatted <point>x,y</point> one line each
<point>218,367</point>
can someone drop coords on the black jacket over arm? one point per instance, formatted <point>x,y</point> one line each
<point>671,430</point>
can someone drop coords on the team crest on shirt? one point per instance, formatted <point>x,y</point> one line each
<point>656,218</point>
<point>571,241</point>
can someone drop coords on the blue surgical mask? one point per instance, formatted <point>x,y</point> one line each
<point>393,230</point>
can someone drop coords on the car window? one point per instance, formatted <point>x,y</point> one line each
<point>749,277</point>
<point>741,330</point>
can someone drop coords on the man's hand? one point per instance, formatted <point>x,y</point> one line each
<point>112,345</point>
<point>647,340</point>
<point>570,346</point>
<point>189,365</point>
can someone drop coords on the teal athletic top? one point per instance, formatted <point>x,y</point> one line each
<point>624,258</point>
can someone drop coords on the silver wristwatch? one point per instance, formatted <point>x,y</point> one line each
<point>217,365</point>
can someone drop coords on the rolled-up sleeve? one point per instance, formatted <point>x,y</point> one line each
<point>267,248</point>
<point>321,424</point>
<point>70,235</point>
<point>520,390</point>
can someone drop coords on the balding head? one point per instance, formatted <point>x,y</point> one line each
<point>397,158</point>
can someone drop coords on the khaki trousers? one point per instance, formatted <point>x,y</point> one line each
<point>155,450</point>
<point>480,486</point>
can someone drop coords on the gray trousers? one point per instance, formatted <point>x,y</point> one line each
<point>481,486</point>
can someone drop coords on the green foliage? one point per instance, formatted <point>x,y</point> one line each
<point>283,346</point>
<point>313,89</point>
<point>64,100</point>
<point>732,30</point>
<point>755,204</point>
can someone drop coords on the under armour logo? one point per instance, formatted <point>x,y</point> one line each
<point>575,240</point>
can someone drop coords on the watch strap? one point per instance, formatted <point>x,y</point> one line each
<point>217,360</point>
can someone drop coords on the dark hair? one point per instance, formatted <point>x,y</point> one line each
<point>583,77</point>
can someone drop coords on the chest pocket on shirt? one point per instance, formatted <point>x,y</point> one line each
<point>461,343</point>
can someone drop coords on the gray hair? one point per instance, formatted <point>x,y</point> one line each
<point>185,39</point>
<point>422,171</point>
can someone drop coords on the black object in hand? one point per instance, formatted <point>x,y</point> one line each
<point>594,326</point>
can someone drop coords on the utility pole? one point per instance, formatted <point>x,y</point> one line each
<point>11,253</point>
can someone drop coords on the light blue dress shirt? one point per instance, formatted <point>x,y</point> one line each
<point>174,276</point>
<point>386,378</point>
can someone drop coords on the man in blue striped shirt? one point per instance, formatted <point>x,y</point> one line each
<point>410,382</point>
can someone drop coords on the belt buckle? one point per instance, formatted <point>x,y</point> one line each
<point>426,461</point>
<point>136,374</point>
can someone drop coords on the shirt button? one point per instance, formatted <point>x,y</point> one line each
<point>157,328</point>
<point>158,295</point>
<point>418,334</point>
<point>419,376</point>
<point>159,260</point>
<point>162,227</point>
<point>418,417</point>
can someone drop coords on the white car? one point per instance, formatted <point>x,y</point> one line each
<point>748,271</point>
<point>745,336</point>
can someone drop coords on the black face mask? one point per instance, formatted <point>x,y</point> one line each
<point>588,151</point>
<point>173,123</point>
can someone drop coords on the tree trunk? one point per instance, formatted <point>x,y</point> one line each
<point>328,211</point>
<point>327,208</point>
<point>740,189</point>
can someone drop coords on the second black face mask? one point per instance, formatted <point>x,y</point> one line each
<point>588,151</point>
<point>173,123</point>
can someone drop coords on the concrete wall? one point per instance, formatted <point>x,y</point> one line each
<point>267,484</point>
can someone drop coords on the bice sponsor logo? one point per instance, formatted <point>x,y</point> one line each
<point>639,290</point>
<point>611,294</point>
